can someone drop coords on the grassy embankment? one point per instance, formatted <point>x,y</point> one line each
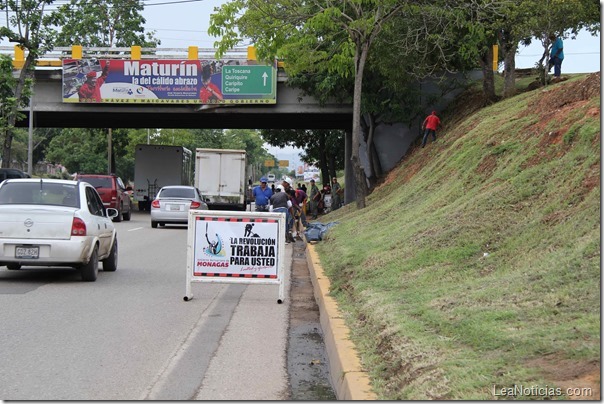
<point>476,265</point>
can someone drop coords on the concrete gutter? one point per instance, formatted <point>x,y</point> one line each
<point>348,378</point>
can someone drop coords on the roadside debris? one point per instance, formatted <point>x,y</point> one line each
<point>316,231</point>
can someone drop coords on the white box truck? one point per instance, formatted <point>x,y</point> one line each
<point>220,176</point>
<point>156,166</point>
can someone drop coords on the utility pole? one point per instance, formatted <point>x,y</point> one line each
<point>30,140</point>
<point>109,151</point>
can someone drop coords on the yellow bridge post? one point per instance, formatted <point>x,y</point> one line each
<point>251,53</point>
<point>193,53</point>
<point>19,59</point>
<point>76,52</point>
<point>135,52</point>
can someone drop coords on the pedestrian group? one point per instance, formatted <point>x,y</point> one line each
<point>295,203</point>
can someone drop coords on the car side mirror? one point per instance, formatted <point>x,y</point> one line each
<point>111,213</point>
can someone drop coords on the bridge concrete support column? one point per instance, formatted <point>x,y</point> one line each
<point>350,186</point>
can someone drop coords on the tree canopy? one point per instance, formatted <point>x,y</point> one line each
<point>328,45</point>
<point>108,23</point>
<point>31,28</point>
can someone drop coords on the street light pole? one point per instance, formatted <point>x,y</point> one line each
<point>30,140</point>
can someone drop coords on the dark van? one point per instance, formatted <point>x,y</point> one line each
<point>7,173</point>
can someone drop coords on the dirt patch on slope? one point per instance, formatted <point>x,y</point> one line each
<point>578,380</point>
<point>560,99</point>
<point>558,96</point>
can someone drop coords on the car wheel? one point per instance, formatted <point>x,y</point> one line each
<point>154,224</point>
<point>128,214</point>
<point>119,216</point>
<point>13,266</point>
<point>110,263</point>
<point>90,270</point>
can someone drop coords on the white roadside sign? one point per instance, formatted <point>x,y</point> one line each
<point>235,247</point>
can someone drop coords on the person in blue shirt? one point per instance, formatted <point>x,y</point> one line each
<point>556,56</point>
<point>262,194</point>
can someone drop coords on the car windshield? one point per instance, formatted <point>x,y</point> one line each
<point>38,193</point>
<point>177,193</point>
<point>97,182</point>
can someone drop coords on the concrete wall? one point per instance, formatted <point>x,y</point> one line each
<point>392,140</point>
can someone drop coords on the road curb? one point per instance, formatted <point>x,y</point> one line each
<point>349,380</point>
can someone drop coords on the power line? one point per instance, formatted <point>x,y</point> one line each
<point>165,3</point>
<point>179,30</point>
<point>58,3</point>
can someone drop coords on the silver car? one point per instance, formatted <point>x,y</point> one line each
<point>48,222</point>
<point>172,205</point>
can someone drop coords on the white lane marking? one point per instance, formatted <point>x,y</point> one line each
<point>136,228</point>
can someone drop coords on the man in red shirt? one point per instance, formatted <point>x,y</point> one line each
<point>431,123</point>
<point>90,91</point>
<point>209,93</point>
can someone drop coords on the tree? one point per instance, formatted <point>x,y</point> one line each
<point>471,28</point>
<point>523,19</point>
<point>250,141</point>
<point>562,18</point>
<point>108,23</point>
<point>7,106</point>
<point>29,27</point>
<point>79,150</point>
<point>298,31</point>
<point>322,148</point>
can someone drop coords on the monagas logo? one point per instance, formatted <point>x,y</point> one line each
<point>215,246</point>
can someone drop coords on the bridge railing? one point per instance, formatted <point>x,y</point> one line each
<point>55,57</point>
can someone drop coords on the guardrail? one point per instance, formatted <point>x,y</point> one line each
<point>54,58</point>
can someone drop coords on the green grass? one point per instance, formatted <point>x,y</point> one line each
<point>486,260</point>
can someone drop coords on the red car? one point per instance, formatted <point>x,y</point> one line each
<point>112,191</point>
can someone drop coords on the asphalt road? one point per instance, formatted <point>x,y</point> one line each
<point>131,336</point>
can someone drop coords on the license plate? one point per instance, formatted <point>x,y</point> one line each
<point>174,207</point>
<point>27,252</point>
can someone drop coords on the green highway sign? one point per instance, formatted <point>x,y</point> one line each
<point>248,80</point>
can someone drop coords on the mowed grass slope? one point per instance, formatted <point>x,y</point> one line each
<point>476,265</point>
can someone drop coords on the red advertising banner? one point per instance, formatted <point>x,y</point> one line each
<point>169,81</point>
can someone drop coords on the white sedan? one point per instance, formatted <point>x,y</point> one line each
<point>48,222</point>
<point>172,204</point>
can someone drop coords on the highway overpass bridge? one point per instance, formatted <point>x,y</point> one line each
<point>292,110</point>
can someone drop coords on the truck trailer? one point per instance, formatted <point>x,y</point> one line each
<point>156,166</point>
<point>220,176</point>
